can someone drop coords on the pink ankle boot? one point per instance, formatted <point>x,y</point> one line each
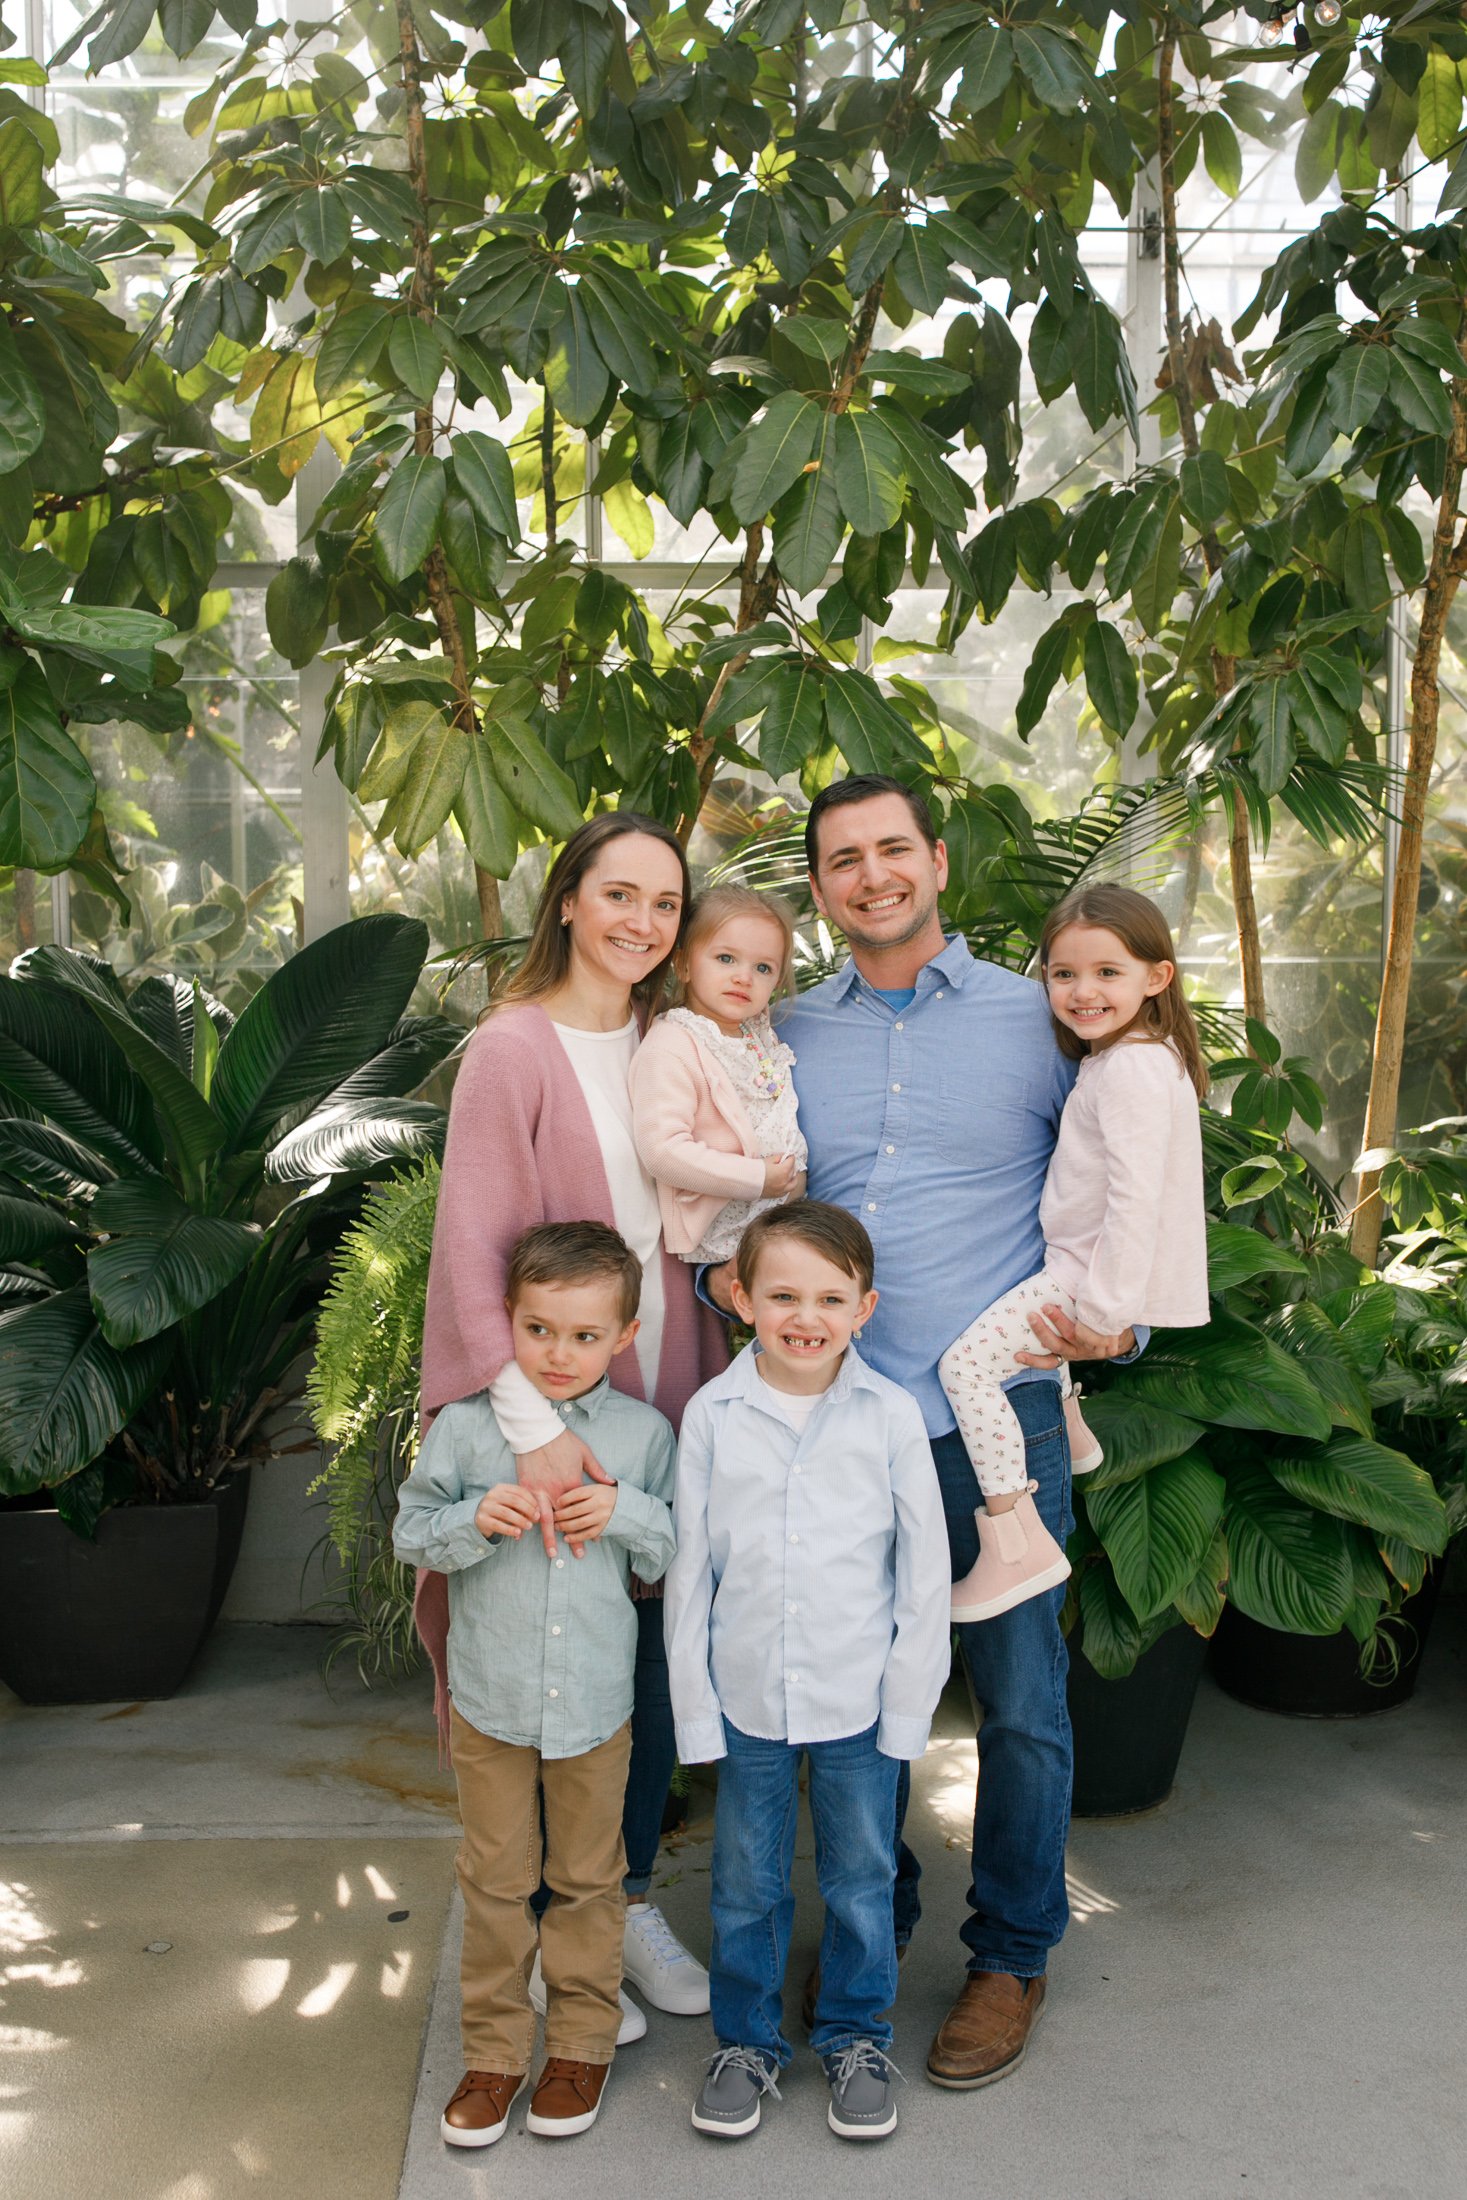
<point>1018,1558</point>
<point>1085,1449</point>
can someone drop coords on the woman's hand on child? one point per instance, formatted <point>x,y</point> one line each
<point>506,1510</point>
<point>779,1176</point>
<point>1060,1338</point>
<point>582,1515</point>
<point>550,1471</point>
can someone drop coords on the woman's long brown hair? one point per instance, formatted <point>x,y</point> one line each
<point>547,958</point>
<point>1144,932</point>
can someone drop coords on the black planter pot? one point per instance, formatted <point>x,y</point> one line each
<point>1129,1734</point>
<point>122,1618</point>
<point>1318,1676</point>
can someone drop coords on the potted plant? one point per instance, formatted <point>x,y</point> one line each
<point>172,1180</point>
<point>1245,1466</point>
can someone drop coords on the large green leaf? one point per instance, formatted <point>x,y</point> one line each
<point>808,527</point>
<point>486,816</point>
<point>22,409</point>
<point>1202,1600</point>
<point>67,1391</point>
<point>431,784</point>
<point>1289,1564</point>
<point>532,779</point>
<point>575,372</point>
<point>870,735</point>
<point>1307,1331</point>
<point>1236,1254</point>
<point>1355,1478</point>
<point>407,517</point>
<point>1110,676</point>
<point>354,1138</point>
<point>351,348</point>
<point>191,1133</point>
<point>161,1261</point>
<point>1158,1529</point>
<point>1135,1436</point>
<point>773,454</point>
<point>482,470</point>
<point>869,474</point>
<point>790,729</point>
<point>315,1021</point>
<point>298,610</point>
<point>121,642</point>
<point>47,792</point>
<point>415,1047</point>
<point>29,1229</point>
<point>65,1066</point>
<point>1230,1373</point>
<point>1044,669</point>
<point>49,1161</point>
<point>1110,1634</point>
<point>1355,385</point>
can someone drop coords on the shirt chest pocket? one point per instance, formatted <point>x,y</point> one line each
<point>988,1119</point>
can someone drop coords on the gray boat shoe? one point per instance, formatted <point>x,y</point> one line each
<point>729,2101</point>
<point>861,2102</point>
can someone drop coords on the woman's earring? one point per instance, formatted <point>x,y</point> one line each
<point>564,922</point>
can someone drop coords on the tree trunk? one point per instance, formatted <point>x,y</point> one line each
<point>1224,669</point>
<point>1443,578</point>
<point>435,568</point>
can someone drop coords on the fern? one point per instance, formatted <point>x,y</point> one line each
<point>363,1393</point>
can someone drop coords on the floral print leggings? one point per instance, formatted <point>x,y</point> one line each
<point>972,1370</point>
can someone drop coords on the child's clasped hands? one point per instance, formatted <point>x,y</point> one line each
<point>581,1514</point>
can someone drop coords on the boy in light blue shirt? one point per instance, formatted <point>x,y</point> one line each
<point>541,1653</point>
<point>806,1615</point>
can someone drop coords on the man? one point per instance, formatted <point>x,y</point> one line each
<point>930,1090</point>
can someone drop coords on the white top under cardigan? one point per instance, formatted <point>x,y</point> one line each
<point>601,1060</point>
<point>1122,1213</point>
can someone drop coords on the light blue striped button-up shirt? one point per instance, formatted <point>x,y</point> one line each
<point>933,1124</point>
<point>540,1651</point>
<point>809,1595</point>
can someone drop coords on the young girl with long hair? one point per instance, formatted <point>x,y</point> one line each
<point>713,1105</point>
<point>1122,1213</point>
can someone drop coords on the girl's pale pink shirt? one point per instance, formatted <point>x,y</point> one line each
<point>693,1134</point>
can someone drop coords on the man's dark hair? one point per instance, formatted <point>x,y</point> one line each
<point>827,1230</point>
<point>576,1252</point>
<point>861,787</point>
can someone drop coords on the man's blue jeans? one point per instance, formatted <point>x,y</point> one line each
<point>853,1804</point>
<point>1017,1663</point>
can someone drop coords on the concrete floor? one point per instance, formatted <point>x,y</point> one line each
<point>1261,1987</point>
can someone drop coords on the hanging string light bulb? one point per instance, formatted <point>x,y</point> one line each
<point>1273,30</point>
<point>1328,13</point>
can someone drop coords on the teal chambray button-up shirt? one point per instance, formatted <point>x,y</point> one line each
<point>540,1650</point>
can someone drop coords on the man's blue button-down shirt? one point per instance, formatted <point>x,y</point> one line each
<point>933,1123</point>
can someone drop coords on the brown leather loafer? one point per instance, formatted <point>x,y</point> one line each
<point>478,2114</point>
<point>986,2032</point>
<point>567,2098</point>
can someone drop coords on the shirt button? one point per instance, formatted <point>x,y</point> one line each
<point>792,1608</point>
<point>553,1691</point>
<point>560,1562</point>
<point>896,1088</point>
<point>797,1470</point>
<point>901,1027</point>
<point>891,1149</point>
<point>555,1630</point>
<point>937,996</point>
<point>794,1539</point>
<point>871,1204</point>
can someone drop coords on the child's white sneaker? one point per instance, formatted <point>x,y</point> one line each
<point>1018,1558</point>
<point>658,1964</point>
<point>633,2023</point>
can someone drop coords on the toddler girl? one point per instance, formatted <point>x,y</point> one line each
<point>713,1105</point>
<point>1122,1213</point>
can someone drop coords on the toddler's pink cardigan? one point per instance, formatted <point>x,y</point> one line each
<point>522,1150</point>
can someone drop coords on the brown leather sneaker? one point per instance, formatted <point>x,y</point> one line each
<point>567,2098</point>
<point>986,2032</point>
<point>478,2114</point>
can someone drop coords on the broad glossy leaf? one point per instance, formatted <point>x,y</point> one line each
<point>415,355</point>
<point>315,1021</point>
<point>322,224</point>
<point>486,816</point>
<point>474,551</point>
<point>29,1230</point>
<point>1110,1634</point>
<point>407,517</point>
<point>1110,676</point>
<point>21,174</point>
<point>1229,1373</point>
<point>869,474</point>
<point>391,758</point>
<point>66,1066</point>
<point>1053,66</point>
<point>1158,1529</point>
<point>1289,1565</point>
<point>791,727</point>
<point>1203,1600</point>
<point>1356,1478</point>
<point>808,526</point>
<point>585,55</point>
<point>1307,1331</point>
<point>414,1049</point>
<point>482,470</point>
<point>47,792</point>
<point>351,348</point>
<point>1135,1436</point>
<point>1204,483</point>
<point>1418,392</point>
<point>298,610</point>
<point>986,58</point>
<point>431,783</point>
<point>67,1391</point>
<point>1044,669</point>
<point>534,782</point>
<point>1236,1254</point>
<point>161,1260</point>
<point>575,372</point>
<point>190,1132</point>
<point>774,453</point>
<point>50,1161</point>
<point>1273,751</point>
<point>353,1138</point>
<point>1355,385</point>
<point>870,735</point>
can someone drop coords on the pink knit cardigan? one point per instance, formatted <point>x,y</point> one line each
<point>522,1150</point>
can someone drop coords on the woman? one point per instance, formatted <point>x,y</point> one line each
<point>540,1130</point>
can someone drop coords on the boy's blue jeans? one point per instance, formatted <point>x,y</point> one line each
<point>1017,1907</point>
<point>853,1804</point>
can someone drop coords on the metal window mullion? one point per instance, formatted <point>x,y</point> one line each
<point>325,822</point>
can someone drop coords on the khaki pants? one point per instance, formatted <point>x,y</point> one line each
<point>499,1868</point>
